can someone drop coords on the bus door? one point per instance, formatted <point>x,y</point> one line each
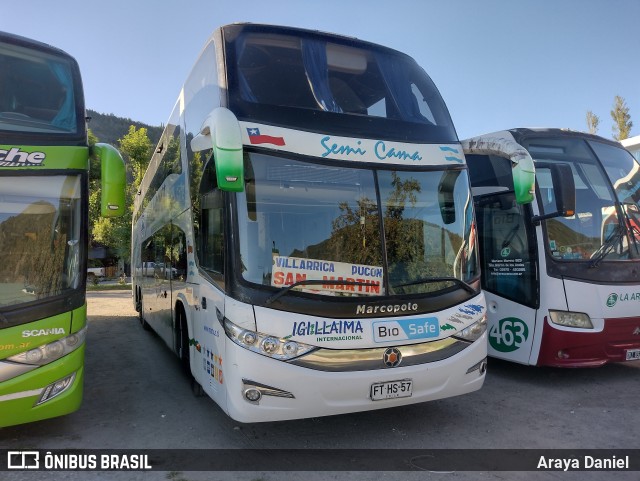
<point>509,274</point>
<point>208,353</point>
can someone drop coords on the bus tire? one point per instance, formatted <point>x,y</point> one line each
<point>138,303</point>
<point>145,325</point>
<point>182,340</point>
<point>196,388</point>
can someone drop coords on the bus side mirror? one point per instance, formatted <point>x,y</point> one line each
<point>445,196</point>
<point>112,179</point>
<point>221,132</point>
<point>564,190</point>
<point>523,171</point>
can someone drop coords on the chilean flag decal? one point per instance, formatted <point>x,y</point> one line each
<point>256,138</point>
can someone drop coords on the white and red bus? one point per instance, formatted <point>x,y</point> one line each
<point>561,275</point>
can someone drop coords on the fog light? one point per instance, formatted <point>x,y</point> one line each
<point>481,367</point>
<point>56,388</point>
<point>252,395</point>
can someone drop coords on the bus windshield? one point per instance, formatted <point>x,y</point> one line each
<point>605,224</point>
<point>297,78</point>
<point>36,92</point>
<point>387,232</point>
<point>40,248</point>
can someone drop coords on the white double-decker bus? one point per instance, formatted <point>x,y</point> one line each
<point>311,200</point>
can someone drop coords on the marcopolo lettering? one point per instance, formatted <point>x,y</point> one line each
<point>387,309</point>
<point>15,157</point>
<point>43,332</point>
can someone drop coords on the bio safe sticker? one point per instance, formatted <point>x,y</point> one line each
<point>406,329</point>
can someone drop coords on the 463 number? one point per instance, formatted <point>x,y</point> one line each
<point>508,334</point>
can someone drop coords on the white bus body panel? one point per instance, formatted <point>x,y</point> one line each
<point>207,339</point>
<point>362,333</point>
<point>320,393</point>
<point>219,365</point>
<point>603,301</point>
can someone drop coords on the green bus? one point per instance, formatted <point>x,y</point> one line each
<point>44,169</point>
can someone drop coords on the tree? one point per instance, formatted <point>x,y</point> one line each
<point>592,122</point>
<point>136,147</point>
<point>621,119</point>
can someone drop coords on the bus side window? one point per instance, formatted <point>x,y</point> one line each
<point>211,234</point>
<point>179,253</point>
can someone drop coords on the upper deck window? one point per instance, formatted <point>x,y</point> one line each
<point>372,87</point>
<point>37,92</point>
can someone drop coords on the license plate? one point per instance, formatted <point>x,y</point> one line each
<point>391,389</point>
<point>633,354</point>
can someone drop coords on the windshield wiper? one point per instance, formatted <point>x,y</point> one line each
<point>606,247</point>
<point>424,280</point>
<point>317,282</point>
<point>512,233</point>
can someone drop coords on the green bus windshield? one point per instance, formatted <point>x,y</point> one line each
<point>37,92</point>
<point>40,248</point>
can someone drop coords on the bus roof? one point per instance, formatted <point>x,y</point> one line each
<point>11,38</point>
<point>297,31</point>
<point>521,133</point>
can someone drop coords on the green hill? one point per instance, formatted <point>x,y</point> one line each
<point>109,128</point>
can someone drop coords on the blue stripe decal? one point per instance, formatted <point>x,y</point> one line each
<point>449,149</point>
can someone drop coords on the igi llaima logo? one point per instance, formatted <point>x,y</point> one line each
<point>612,299</point>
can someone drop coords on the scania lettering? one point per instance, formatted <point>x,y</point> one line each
<point>560,274</point>
<point>43,332</point>
<point>44,165</point>
<point>306,186</point>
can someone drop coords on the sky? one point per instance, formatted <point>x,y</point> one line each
<point>498,64</point>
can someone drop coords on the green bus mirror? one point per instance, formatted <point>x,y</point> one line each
<point>221,132</point>
<point>113,181</point>
<point>522,168</point>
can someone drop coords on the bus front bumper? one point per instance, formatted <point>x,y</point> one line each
<point>59,383</point>
<point>294,392</point>
<point>618,341</point>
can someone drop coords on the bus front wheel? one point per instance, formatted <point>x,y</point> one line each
<point>145,324</point>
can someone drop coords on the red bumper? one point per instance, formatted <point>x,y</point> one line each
<point>589,349</point>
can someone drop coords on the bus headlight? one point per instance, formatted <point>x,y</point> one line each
<point>52,351</point>
<point>571,319</point>
<point>281,349</point>
<point>474,331</point>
